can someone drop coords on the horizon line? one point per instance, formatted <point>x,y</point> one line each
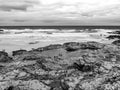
<point>56,25</point>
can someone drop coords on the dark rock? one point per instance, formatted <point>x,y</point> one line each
<point>50,47</point>
<point>1,30</point>
<point>12,88</point>
<point>114,32</point>
<point>113,37</point>
<point>41,63</point>
<point>4,57</point>
<point>91,46</point>
<point>77,87</point>
<point>112,79</point>
<point>83,68</point>
<point>58,85</point>
<point>36,42</point>
<point>117,42</point>
<point>31,57</point>
<point>71,49</point>
<point>73,46</point>
<point>18,52</point>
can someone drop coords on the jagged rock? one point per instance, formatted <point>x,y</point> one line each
<point>18,52</point>
<point>4,57</point>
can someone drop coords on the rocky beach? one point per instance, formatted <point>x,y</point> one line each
<point>87,65</point>
<point>59,44</point>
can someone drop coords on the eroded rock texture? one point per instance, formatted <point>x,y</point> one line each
<point>71,66</point>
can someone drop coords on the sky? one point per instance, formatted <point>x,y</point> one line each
<point>59,12</point>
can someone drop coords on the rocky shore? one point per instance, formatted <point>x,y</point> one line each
<point>115,35</point>
<point>70,66</point>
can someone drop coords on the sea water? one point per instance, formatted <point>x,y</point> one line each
<point>16,38</point>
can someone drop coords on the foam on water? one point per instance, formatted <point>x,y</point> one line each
<point>17,39</point>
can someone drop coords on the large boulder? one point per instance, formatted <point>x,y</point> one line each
<point>4,57</point>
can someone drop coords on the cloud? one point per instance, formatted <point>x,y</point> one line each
<point>9,8</point>
<point>22,5</point>
<point>19,20</point>
<point>46,12</point>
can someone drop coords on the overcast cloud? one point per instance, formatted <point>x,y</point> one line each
<point>59,12</point>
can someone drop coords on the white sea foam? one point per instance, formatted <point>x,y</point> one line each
<point>17,39</point>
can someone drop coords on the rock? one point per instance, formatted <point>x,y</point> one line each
<point>58,85</point>
<point>22,74</point>
<point>4,57</point>
<point>18,52</point>
<point>71,66</point>
<point>31,57</point>
<point>73,46</point>
<point>113,37</point>
<point>117,42</point>
<point>41,63</point>
<point>36,42</point>
<point>1,31</point>
<point>50,47</point>
<point>12,88</point>
<point>114,32</point>
<point>83,68</point>
<point>1,78</point>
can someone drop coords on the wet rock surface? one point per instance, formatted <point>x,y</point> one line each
<point>116,42</point>
<point>18,52</point>
<point>115,36</point>
<point>114,32</point>
<point>4,57</point>
<point>71,66</point>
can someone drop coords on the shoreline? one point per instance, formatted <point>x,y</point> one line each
<point>27,41</point>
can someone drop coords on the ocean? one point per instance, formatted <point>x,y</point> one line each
<point>28,37</point>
